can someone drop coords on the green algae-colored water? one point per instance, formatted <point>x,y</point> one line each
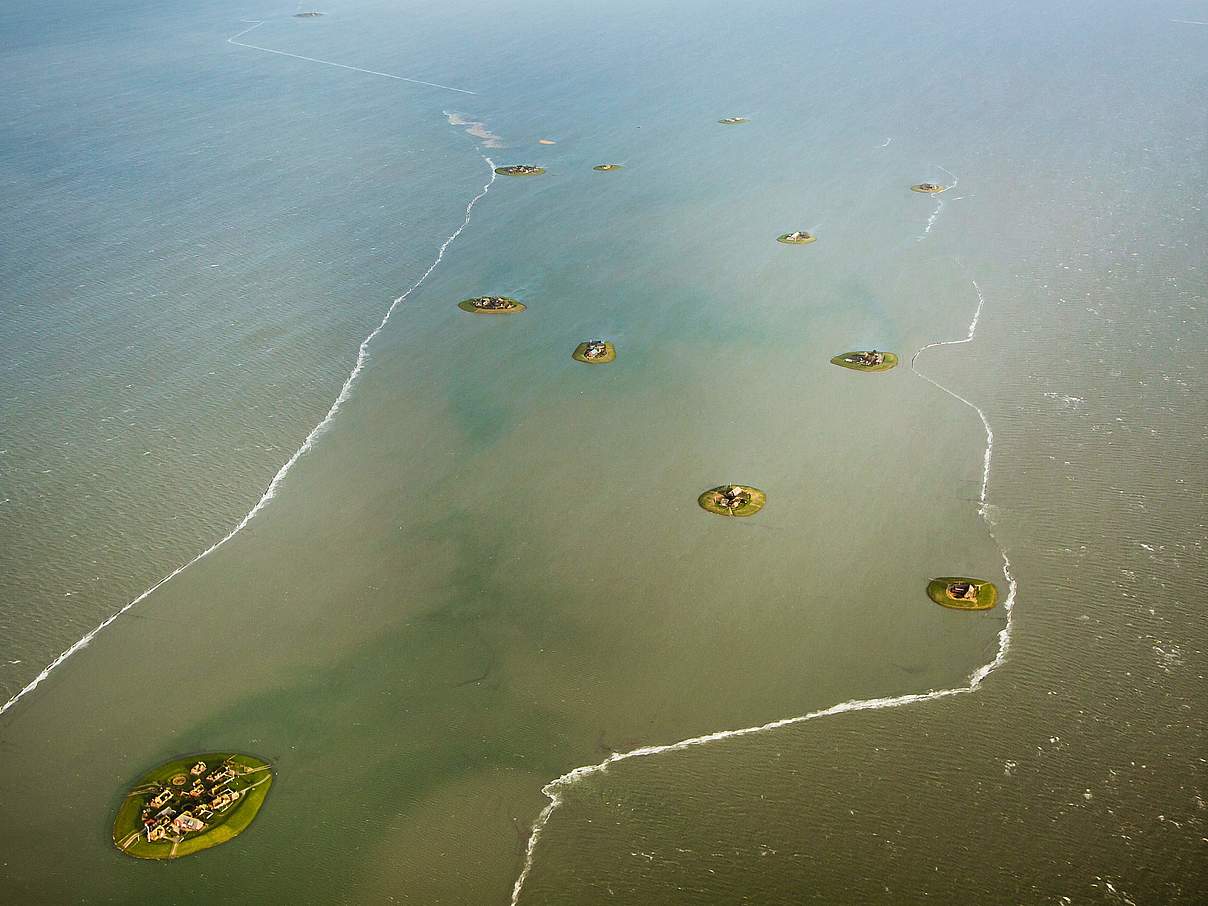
<point>454,595</point>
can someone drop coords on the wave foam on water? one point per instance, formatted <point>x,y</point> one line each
<point>271,490</point>
<point>938,208</point>
<point>553,789</point>
<point>475,129</point>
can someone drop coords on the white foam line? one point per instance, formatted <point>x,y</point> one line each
<point>886,145</point>
<point>939,207</point>
<point>297,56</point>
<point>553,789</point>
<point>1189,22</point>
<point>985,422</point>
<point>270,492</point>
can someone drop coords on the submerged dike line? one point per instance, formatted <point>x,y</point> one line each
<point>553,789</point>
<point>938,208</point>
<point>271,490</point>
<point>296,56</point>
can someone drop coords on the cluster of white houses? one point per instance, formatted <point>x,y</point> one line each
<point>494,303</point>
<point>732,497</point>
<point>865,358</point>
<point>520,170</point>
<point>177,808</point>
<point>963,591</point>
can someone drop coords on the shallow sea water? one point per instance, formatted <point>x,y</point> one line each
<point>491,568</point>
<point>185,289</point>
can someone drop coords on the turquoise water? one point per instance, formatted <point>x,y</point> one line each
<point>489,568</point>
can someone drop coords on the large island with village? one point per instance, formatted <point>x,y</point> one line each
<point>191,804</point>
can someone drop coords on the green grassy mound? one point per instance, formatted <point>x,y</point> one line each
<point>520,170</point>
<point>606,168</point>
<point>987,593</point>
<point>891,361</point>
<point>252,780</point>
<point>610,354</point>
<point>753,501</point>
<point>928,188</point>
<point>473,306</point>
<point>800,237</point>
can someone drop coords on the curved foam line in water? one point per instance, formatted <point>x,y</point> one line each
<point>296,56</point>
<point>938,208</point>
<point>552,790</point>
<point>985,422</point>
<point>271,490</point>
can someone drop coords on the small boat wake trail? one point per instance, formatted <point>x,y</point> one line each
<point>385,75</point>
<point>271,490</point>
<point>553,789</point>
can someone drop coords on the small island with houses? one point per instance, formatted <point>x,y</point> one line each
<point>733,500</point>
<point>869,360</point>
<point>606,168</point>
<point>595,352</point>
<point>797,237</point>
<point>491,305</point>
<point>929,188</point>
<point>520,170</point>
<point>191,804</point>
<point>963,593</point>
<point>734,120</point>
